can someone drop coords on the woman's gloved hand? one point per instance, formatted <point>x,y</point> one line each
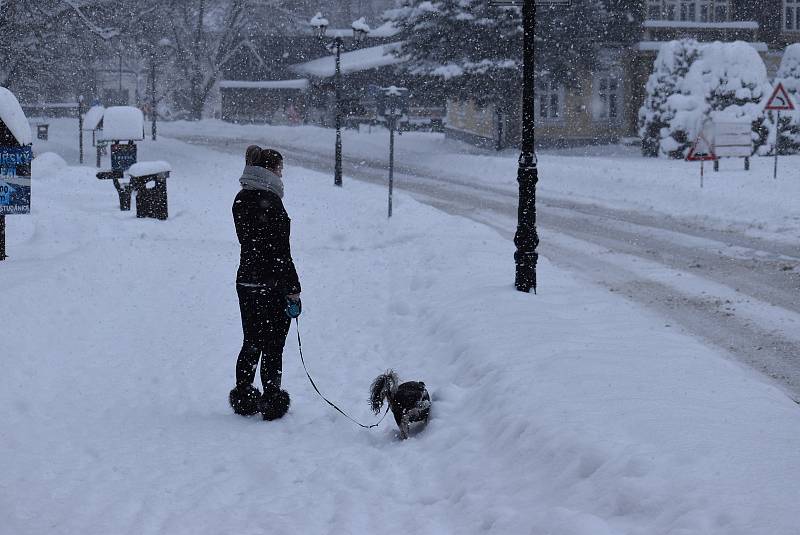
<point>293,305</point>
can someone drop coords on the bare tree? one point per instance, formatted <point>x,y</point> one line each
<point>206,36</point>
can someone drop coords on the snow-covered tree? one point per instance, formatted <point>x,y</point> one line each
<point>39,38</point>
<point>464,45</point>
<point>789,75</point>
<point>723,81</point>
<point>733,79</point>
<point>655,116</point>
<point>475,50</point>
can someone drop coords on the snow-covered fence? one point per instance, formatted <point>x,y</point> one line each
<point>732,139</point>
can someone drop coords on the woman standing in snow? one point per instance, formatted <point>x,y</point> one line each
<point>266,282</point>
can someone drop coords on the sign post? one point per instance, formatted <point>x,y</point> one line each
<point>392,107</point>
<point>15,186</point>
<point>702,151</point>
<point>778,102</point>
<point>15,162</point>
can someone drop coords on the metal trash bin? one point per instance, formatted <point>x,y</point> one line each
<point>149,181</point>
<point>124,189</point>
<point>41,131</point>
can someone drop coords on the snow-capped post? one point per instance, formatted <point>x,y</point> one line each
<point>392,107</point>
<point>122,123</point>
<point>526,238</point>
<point>15,162</point>
<point>778,102</point>
<point>360,31</point>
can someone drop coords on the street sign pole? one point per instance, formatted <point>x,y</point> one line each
<point>777,144</point>
<point>2,237</point>
<point>778,102</point>
<point>392,122</point>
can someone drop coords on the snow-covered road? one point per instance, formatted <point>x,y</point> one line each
<point>737,291</point>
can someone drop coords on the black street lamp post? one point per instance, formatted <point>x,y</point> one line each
<point>360,30</point>
<point>526,238</point>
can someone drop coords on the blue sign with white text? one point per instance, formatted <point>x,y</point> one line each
<point>15,180</point>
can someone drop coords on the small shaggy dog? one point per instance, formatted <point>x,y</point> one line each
<point>409,401</point>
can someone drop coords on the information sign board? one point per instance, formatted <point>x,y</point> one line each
<point>122,156</point>
<point>15,180</point>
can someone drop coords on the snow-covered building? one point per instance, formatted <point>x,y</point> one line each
<point>603,105</point>
<point>272,101</point>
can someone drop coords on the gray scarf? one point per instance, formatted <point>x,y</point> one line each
<point>262,179</point>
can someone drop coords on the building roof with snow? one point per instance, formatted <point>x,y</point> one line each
<point>14,118</point>
<point>122,123</point>
<point>300,84</point>
<point>358,60</point>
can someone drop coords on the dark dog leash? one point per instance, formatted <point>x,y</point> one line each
<point>300,347</point>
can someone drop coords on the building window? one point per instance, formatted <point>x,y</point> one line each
<point>791,15</point>
<point>690,10</point>
<point>549,101</point>
<point>607,98</point>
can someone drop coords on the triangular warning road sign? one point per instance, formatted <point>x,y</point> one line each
<point>702,151</point>
<point>780,100</point>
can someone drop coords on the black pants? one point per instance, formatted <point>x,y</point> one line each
<point>265,326</point>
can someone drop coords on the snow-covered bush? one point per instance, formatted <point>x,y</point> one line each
<point>733,79</point>
<point>671,66</point>
<point>789,75</point>
<point>726,81</point>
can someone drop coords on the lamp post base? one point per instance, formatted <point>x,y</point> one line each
<point>526,238</point>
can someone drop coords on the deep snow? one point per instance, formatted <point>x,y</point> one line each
<point>570,412</point>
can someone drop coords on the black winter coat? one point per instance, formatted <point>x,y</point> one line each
<point>263,226</point>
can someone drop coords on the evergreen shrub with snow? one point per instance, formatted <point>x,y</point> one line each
<point>789,75</point>
<point>671,66</point>
<point>724,82</point>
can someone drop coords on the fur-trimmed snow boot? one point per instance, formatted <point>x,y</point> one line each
<point>274,403</point>
<point>244,400</point>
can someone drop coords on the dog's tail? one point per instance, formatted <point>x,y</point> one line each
<point>384,386</point>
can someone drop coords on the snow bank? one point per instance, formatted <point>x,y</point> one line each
<point>14,118</point>
<point>122,123</point>
<point>47,165</point>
